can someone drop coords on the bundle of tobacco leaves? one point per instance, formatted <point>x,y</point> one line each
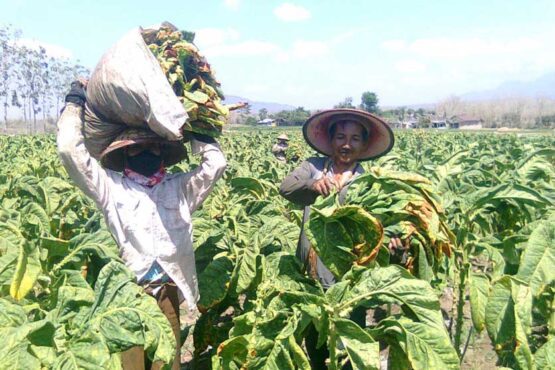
<point>192,80</point>
<point>379,205</point>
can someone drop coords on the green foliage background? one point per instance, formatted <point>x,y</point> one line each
<point>68,301</point>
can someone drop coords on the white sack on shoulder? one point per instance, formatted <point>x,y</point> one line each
<point>128,87</point>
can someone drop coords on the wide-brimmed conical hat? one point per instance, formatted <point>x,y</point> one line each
<point>113,156</point>
<point>283,137</point>
<point>317,135</point>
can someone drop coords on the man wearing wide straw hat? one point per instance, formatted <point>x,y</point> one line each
<point>147,210</point>
<point>345,137</point>
<point>279,149</point>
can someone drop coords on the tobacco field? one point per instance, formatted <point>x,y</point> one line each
<point>476,210</point>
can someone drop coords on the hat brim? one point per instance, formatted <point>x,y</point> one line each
<point>380,135</point>
<point>113,157</point>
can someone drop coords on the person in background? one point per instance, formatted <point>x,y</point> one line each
<point>279,150</point>
<point>345,137</point>
<point>147,210</point>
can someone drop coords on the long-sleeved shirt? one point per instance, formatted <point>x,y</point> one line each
<point>296,187</point>
<point>150,224</point>
<point>278,150</point>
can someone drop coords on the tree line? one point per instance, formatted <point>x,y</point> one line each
<point>32,83</point>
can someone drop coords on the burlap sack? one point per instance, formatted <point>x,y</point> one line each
<point>128,88</point>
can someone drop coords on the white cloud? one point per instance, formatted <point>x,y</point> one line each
<point>394,45</point>
<point>255,89</point>
<point>55,51</point>
<point>232,4</point>
<point>309,49</point>
<point>409,66</point>
<point>288,12</point>
<point>342,37</point>
<point>207,37</point>
<point>453,48</point>
<point>242,49</point>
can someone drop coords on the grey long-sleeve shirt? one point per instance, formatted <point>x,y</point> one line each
<point>296,188</point>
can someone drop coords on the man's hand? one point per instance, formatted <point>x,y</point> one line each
<point>76,94</point>
<point>398,251</point>
<point>203,138</point>
<point>324,186</point>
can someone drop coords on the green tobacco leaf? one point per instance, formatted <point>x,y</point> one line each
<point>424,346</point>
<point>343,236</point>
<point>520,194</point>
<point>249,185</point>
<point>17,335</point>
<point>394,284</point>
<point>18,357</point>
<point>11,315</point>
<point>247,267</point>
<point>508,318</point>
<point>544,357</point>
<point>27,270</point>
<point>72,301</point>
<point>53,191</point>
<point>126,316</point>
<point>36,215</point>
<point>88,352</point>
<point>198,96</point>
<point>479,291</point>
<point>231,351</point>
<point>8,261</point>
<point>214,283</point>
<point>269,345</point>
<point>363,351</point>
<point>425,271</point>
<point>537,265</point>
<point>99,244</point>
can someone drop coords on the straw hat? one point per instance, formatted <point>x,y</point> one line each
<point>283,137</point>
<point>380,136</point>
<point>113,156</point>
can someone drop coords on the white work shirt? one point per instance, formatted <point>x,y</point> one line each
<point>148,223</point>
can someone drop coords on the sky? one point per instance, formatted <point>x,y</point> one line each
<point>314,54</point>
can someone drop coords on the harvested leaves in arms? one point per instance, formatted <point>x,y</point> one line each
<point>407,207</point>
<point>386,204</point>
<point>343,236</point>
<point>192,80</point>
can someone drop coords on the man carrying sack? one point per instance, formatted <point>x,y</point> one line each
<point>147,210</point>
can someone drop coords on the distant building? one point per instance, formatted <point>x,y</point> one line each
<point>411,122</point>
<point>464,122</point>
<point>267,122</point>
<point>438,122</point>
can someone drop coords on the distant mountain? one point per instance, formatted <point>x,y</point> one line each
<point>258,105</point>
<point>543,86</point>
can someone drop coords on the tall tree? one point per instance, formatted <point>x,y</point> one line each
<point>369,102</point>
<point>347,103</point>
<point>263,113</point>
<point>8,36</point>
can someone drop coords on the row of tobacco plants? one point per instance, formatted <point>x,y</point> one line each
<point>475,213</point>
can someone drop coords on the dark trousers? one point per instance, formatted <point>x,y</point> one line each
<point>318,356</point>
<point>168,301</point>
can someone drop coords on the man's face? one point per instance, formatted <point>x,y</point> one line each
<point>282,142</point>
<point>134,150</point>
<point>348,143</point>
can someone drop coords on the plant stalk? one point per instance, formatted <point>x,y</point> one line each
<point>333,365</point>
<point>463,274</point>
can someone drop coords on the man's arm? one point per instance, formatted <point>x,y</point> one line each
<point>198,183</point>
<point>297,187</point>
<point>81,167</point>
